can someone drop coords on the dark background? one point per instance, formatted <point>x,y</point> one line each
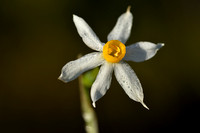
<point>37,37</point>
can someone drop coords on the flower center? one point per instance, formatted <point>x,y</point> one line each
<point>114,51</point>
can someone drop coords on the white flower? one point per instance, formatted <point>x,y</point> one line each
<point>111,57</point>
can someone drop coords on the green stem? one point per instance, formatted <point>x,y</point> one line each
<point>88,113</point>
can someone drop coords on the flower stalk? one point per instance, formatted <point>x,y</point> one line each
<point>88,113</point>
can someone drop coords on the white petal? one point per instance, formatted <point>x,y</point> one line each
<point>102,82</point>
<point>129,82</point>
<point>141,51</point>
<point>122,29</point>
<point>75,68</point>
<point>87,34</point>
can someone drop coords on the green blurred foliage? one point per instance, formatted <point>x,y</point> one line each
<point>89,77</point>
<point>37,37</point>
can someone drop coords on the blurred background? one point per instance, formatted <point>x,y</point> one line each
<point>38,37</point>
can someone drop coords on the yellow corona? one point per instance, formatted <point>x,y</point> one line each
<point>114,51</point>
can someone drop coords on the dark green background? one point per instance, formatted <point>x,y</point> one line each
<point>37,37</point>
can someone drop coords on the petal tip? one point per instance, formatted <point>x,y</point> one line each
<point>75,17</point>
<point>160,45</point>
<point>128,9</point>
<point>94,105</point>
<point>61,78</point>
<point>144,105</point>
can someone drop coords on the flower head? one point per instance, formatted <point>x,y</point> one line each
<point>111,56</point>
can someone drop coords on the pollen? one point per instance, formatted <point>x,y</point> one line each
<point>114,51</point>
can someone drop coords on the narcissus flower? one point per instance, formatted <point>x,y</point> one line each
<point>111,56</point>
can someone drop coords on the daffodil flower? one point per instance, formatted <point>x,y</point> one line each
<point>111,56</point>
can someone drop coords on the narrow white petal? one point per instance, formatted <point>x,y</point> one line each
<point>122,29</point>
<point>87,34</point>
<point>102,82</point>
<point>141,51</point>
<point>129,82</point>
<point>75,68</point>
